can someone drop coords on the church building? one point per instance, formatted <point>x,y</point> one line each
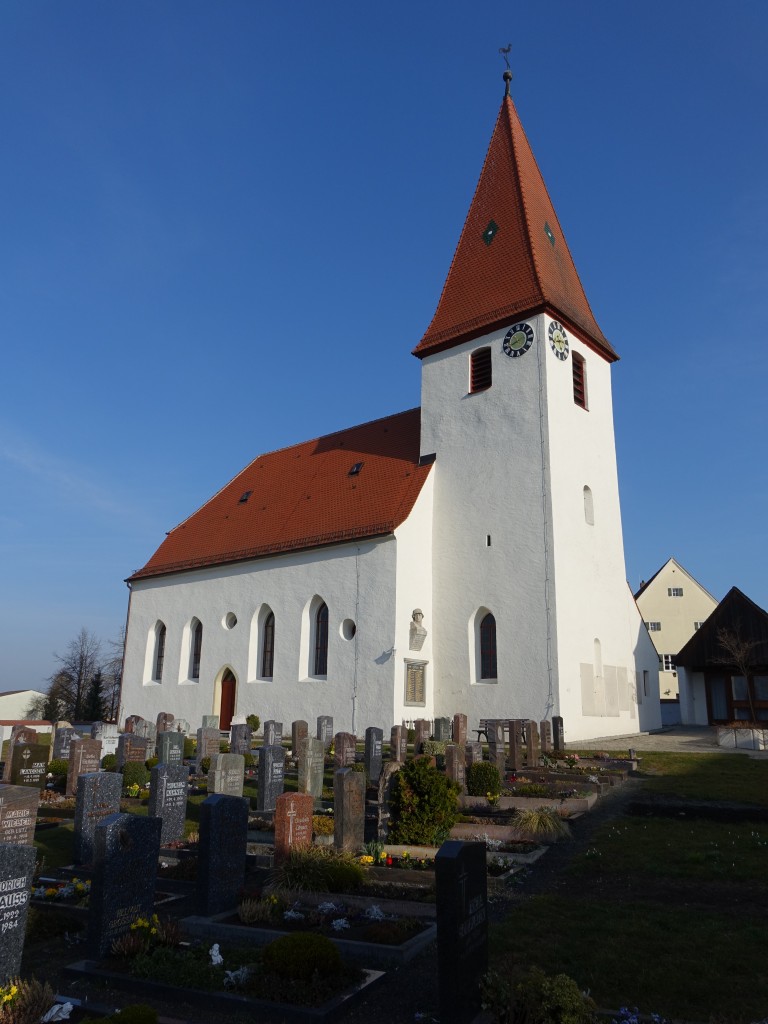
<point>465,556</point>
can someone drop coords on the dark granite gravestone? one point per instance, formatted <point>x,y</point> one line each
<point>442,730</point>
<point>545,735</point>
<point>558,733</point>
<point>398,744</point>
<point>374,741</point>
<point>17,864</point>
<point>126,848</point>
<point>270,776</point>
<point>293,823</point>
<point>107,733</point>
<point>98,796</point>
<point>325,730</point>
<point>210,722</point>
<point>29,765</point>
<point>532,744</point>
<point>456,765</point>
<point>240,739</point>
<point>208,745</point>
<point>18,814</point>
<point>226,774</point>
<point>311,768</point>
<point>170,747</point>
<point>473,750</point>
<point>348,810</point>
<point>462,928</point>
<point>19,734</point>
<point>299,732</point>
<point>460,729</point>
<point>131,748</point>
<point>221,852</point>
<point>421,726</point>
<point>273,733</point>
<point>344,744</point>
<point>169,784</point>
<point>84,758</point>
<point>515,756</point>
<point>63,735</point>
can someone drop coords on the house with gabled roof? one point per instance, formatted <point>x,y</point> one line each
<point>466,556</point>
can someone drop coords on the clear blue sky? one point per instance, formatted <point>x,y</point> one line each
<point>226,224</point>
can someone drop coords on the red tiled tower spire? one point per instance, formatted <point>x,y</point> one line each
<point>512,259</point>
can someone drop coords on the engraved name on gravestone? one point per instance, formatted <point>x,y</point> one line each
<point>29,764</point>
<point>455,765</point>
<point>98,796</point>
<point>226,774</point>
<point>18,814</point>
<point>462,928</point>
<point>130,749</point>
<point>443,729</point>
<point>221,852</point>
<point>170,747</point>
<point>108,734</point>
<point>126,848</point>
<point>293,823</point>
<point>240,738</point>
<point>398,744</point>
<point>208,742</point>
<point>374,742</point>
<point>19,734</point>
<point>460,729</point>
<point>311,768</point>
<point>210,721</point>
<point>17,864</point>
<point>169,784</point>
<point>299,732</point>
<point>270,777</point>
<point>63,735</point>
<point>273,733</point>
<point>325,730</point>
<point>84,758</point>
<point>344,749</point>
<point>348,809</point>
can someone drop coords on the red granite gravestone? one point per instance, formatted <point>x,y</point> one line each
<point>460,729</point>
<point>84,759</point>
<point>293,823</point>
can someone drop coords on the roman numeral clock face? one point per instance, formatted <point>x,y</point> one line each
<point>518,340</point>
<point>558,340</point>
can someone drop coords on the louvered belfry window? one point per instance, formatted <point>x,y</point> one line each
<point>481,376</point>
<point>579,380</point>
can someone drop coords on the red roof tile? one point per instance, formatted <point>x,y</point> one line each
<point>521,271</point>
<point>303,497</point>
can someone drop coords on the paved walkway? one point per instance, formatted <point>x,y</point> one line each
<point>684,739</point>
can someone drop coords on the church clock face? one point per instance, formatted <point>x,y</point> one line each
<point>518,340</point>
<point>558,339</point>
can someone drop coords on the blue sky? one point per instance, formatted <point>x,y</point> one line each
<point>225,225</point>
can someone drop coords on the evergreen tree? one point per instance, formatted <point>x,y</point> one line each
<point>93,709</point>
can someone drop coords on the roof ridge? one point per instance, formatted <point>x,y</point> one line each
<point>510,110</point>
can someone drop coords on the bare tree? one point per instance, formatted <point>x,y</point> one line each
<point>113,675</point>
<point>78,667</point>
<point>50,706</point>
<point>737,652</point>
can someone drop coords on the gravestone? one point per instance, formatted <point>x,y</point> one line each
<point>98,796</point>
<point>386,780</point>
<point>146,731</point>
<point>130,722</point>
<point>546,736</point>
<point>515,757</point>
<point>421,728</point>
<point>558,733</point>
<point>270,777</point>
<point>299,732</point>
<point>462,928</point>
<point>170,747</point>
<point>473,751</point>
<point>208,744</point>
<point>497,750</point>
<point>29,765</point>
<point>311,768</point>
<point>84,758</point>
<point>221,852</point>
<point>348,810</point>
<point>532,744</point>
<point>374,741</point>
<point>18,814</point>
<point>226,774</point>
<point>455,765</point>
<point>293,823</point>
<point>325,730</point>
<point>131,748</point>
<point>240,738</point>
<point>460,729</point>
<point>17,864</point>
<point>126,848</point>
<point>168,789</point>
<point>63,735</point>
<point>273,733</point>
<point>19,734</point>
<point>210,722</point>
<point>398,744</point>
<point>443,730</point>
<point>344,744</point>
<point>180,725</point>
<point>107,733</point>
<point>163,722</point>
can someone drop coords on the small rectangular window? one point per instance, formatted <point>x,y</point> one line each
<point>481,376</point>
<point>674,591</point>
<point>653,627</point>
<point>579,380</point>
<point>669,664</point>
<point>697,626</point>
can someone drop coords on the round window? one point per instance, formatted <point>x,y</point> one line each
<point>348,629</point>
<point>230,620</point>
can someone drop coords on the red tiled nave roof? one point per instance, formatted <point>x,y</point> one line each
<point>303,497</point>
<point>521,271</point>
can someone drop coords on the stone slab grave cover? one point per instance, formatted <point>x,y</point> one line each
<point>221,852</point>
<point>169,784</point>
<point>398,744</point>
<point>63,734</point>
<point>170,747</point>
<point>299,732</point>
<point>98,796</point>
<point>130,749</point>
<point>374,745</point>
<point>311,768</point>
<point>271,777</point>
<point>210,722</point>
<point>84,758</point>
<point>19,733</point>
<point>226,774</point>
<point>293,823</point>
<point>348,810</point>
<point>325,730</point>
<point>208,744</point>
<point>29,765</point>
<point>18,814</point>
<point>461,883</point>
<point>108,734</point>
<point>460,729</point>
<point>273,733</point>
<point>240,738</point>
<point>17,864</point>
<point>126,849</point>
<point>344,744</point>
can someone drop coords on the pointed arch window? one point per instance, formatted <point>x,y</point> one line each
<point>321,641</point>
<point>589,506</point>
<point>481,373</point>
<point>196,649</point>
<point>268,647</point>
<point>157,673</point>
<point>579,380</point>
<point>488,668</point>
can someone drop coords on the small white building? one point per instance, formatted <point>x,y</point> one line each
<point>14,704</point>
<point>466,556</point>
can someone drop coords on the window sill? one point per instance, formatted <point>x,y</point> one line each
<point>152,682</point>
<point>189,682</point>
<point>261,681</point>
<point>314,679</point>
<point>485,682</point>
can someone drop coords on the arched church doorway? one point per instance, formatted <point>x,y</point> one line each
<point>227,702</point>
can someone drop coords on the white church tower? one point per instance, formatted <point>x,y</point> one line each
<point>532,613</point>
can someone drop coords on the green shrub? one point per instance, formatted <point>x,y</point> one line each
<point>318,869</point>
<point>205,765</point>
<point>250,760</point>
<point>223,747</point>
<point>109,762</point>
<point>358,766</point>
<point>542,822</point>
<point>302,956</point>
<point>151,762</point>
<point>533,789</point>
<point>254,722</point>
<point>424,804</point>
<point>58,766</point>
<point>33,998</point>
<point>135,774</point>
<point>190,745</point>
<point>411,736</point>
<point>533,997</point>
<point>434,747</point>
<point>483,778</point>
<point>322,824</point>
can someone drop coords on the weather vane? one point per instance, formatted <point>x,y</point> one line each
<point>504,51</point>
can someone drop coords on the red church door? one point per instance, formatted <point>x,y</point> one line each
<point>227,704</point>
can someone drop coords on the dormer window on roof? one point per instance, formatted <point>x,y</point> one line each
<point>244,497</point>
<point>355,471</point>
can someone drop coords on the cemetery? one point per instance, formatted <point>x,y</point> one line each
<point>244,869</point>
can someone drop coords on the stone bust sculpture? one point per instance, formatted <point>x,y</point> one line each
<point>417,633</point>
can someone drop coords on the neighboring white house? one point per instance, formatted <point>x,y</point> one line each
<point>14,703</point>
<point>673,605</point>
<point>466,556</point>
